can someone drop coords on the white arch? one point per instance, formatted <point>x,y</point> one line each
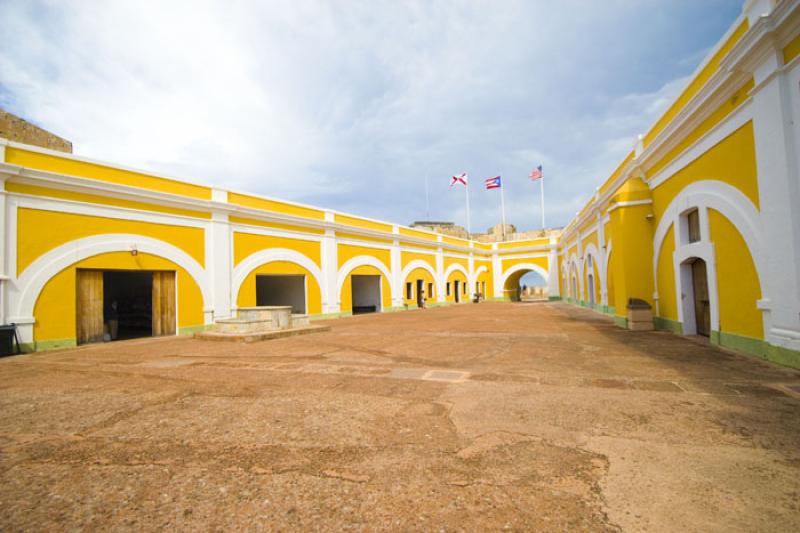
<point>726,199</point>
<point>362,260</point>
<point>424,265</point>
<point>475,275</point>
<point>453,267</point>
<point>271,255</point>
<point>733,205</point>
<point>574,263</point>
<point>525,266</point>
<point>25,290</point>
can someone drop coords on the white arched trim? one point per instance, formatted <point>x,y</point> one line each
<point>575,265</point>
<point>527,267</point>
<point>452,268</point>
<point>734,206</point>
<point>475,275</point>
<point>362,260</point>
<point>419,263</point>
<point>604,274</point>
<point>590,250</point>
<point>272,255</point>
<point>25,291</point>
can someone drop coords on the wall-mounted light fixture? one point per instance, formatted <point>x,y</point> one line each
<point>134,249</point>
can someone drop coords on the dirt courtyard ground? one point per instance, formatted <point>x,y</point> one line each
<point>522,416</point>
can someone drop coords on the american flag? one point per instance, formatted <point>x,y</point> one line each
<point>536,173</point>
<point>462,179</point>
<point>493,183</point>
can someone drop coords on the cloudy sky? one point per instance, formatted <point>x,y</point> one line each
<point>352,104</point>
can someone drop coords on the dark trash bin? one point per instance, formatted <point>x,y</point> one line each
<point>8,336</point>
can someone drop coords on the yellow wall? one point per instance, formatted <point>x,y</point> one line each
<point>732,160</point>
<point>102,200</point>
<point>362,223</point>
<point>347,252</point>
<point>275,206</point>
<point>247,292</point>
<point>55,309</point>
<point>246,244</point>
<point>288,227</point>
<point>737,281</point>
<point>667,303</point>
<point>457,275</point>
<point>33,241</point>
<point>64,164</point>
<point>610,285</point>
<point>407,257</point>
<point>413,276</point>
<point>791,50</point>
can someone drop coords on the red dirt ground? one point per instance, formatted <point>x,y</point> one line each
<point>521,416</point>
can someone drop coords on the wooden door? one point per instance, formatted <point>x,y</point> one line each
<point>163,303</point>
<point>89,305</point>
<point>702,307</point>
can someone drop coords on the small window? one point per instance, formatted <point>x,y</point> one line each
<point>409,294</point>
<point>464,290</point>
<point>448,288</point>
<point>693,225</point>
<point>478,287</point>
<point>430,290</point>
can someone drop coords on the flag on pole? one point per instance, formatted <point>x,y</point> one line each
<point>493,183</point>
<point>462,179</point>
<point>536,173</point>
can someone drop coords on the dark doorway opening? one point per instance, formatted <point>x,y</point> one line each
<point>366,293</point>
<point>128,304</point>
<point>282,290</point>
<point>420,293</point>
<point>457,287</point>
<point>702,306</point>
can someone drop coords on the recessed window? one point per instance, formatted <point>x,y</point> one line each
<point>409,294</point>
<point>693,225</point>
<point>430,290</point>
<point>448,288</point>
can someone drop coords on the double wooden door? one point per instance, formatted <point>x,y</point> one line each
<point>90,305</point>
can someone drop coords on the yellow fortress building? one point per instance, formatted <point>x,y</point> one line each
<point>700,222</point>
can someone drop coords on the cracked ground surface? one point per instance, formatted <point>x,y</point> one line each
<point>522,416</point>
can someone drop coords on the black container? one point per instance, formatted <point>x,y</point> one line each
<point>7,339</point>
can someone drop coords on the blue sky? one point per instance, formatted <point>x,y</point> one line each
<point>351,105</point>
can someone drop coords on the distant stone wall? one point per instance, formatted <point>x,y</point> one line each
<point>16,129</point>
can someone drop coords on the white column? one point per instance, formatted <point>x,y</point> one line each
<point>552,268</point>
<point>5,268</point>
<point>497,273</point>
<point>330,269</point>
<point>441,293</point>
<point>776,127</point>
<point>219,261</point>
<point>581,267</point>
<point>471,270</point>
<point>397,272</point>
<point>601,259</point>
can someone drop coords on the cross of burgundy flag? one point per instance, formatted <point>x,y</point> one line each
<point>462,179</point>
<point>536,173</point>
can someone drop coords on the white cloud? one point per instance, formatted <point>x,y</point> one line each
<point>350,105</point>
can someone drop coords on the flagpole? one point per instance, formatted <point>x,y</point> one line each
<point>541,188</point>
<point>466,193</point>
<point>503,209</point>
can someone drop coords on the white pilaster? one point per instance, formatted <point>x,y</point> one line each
<point>441,294</point>
<point>552,267</point>
<point>497,273</point>
<point>219,261</point>
<point>397,274</point>
<point>777,134</point>
<point>601,266</point>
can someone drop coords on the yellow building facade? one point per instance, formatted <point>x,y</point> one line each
<point>700,220</point>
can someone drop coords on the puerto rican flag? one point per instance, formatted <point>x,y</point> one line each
<point>536,173</point>
<point>462,179</point>
<point>493,183</point>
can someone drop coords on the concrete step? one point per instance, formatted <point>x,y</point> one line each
<point>242,326</point>
<point>260,336</point>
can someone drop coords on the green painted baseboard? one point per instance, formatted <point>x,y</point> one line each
<point>191,330</point>
<point>666,324</point>
<point>621,321</point>
<point>41,346</point>
<point>757,348</point>
<point>554,298</point>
